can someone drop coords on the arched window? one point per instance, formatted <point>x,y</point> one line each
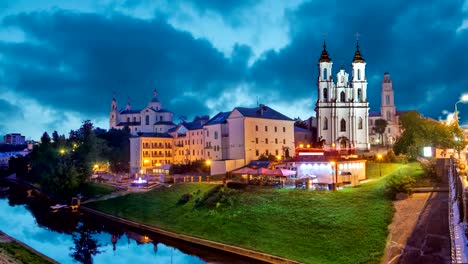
<point>147,120</point>
<point>389,116</point>
<point>325,123</point>
<point>342,97</point>
<point>387,99</point>
<point>128,119</point>
<point>359,74</point>
<point>325,94</point>
<point>359,94</point>
<point>325,73</point>
<point>216,135</point>
<point>343,125</point>
<point>342,79</point>
<point>360,123</point>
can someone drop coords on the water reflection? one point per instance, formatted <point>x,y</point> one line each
<point>75,237</point>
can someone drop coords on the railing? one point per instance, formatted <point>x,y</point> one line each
<point>458,213</point>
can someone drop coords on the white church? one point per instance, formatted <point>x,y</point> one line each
<point>342,108</point>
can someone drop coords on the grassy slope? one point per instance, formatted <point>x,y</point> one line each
<point>22,254</point>
<point>91,189</point>
<point>349,226</point>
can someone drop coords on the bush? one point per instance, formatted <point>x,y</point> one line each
<point>184,198</point>
<point>390,157</point>
<point>237,185</point>
<point>215,198</point>
<point>429,167</point>
<point>399,184</point>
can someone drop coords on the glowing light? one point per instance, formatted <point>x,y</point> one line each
<point>146,161</point>
<point>278,157</point>
<point>427,152</point>
<point>208,162</point>
<point>62,151</point>
<point>379,156</point>
<point>308,145</point>
<point>96,166</point>
<point>141,171</point>
<point>301,145</point>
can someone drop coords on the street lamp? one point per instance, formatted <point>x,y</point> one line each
<point>335,174</point>
<point>379,158</point>
<point>463,99</point>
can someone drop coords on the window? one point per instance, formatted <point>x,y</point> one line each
<point>276,141</point>
<point>208,153</point>
<point>359,94</point>
<point>276,152</point>
<point>360,123</point>
<point>128,119</point>
<point>342,97</point>
<point>325,73</point>
<point>266,128</point>
<point>266,152</point>
<point>359,74</point>
<point>387,99</point>
<point>134,119</point>
<point>342,79</point>
<point>208,134</point>
<point>256,152</point>
<point>266,140</point>
<point>389,130</point>
<point>371,122</point>
<point>284,129</point>
<point>343,125</point>
<point>216,135</point>
<point>256,140</point>
<point>147,120</point>
<point>276,129</point>
<point>389,116</point>
<point>325,123</point>
<point>325,94</point>
<point>256,129</point>
<point>284,141</point>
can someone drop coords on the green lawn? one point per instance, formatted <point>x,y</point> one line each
<point>92,189</point>
<point>348,226</point>
<point>22,254</point>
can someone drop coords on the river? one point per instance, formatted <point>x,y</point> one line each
<point>83,238</point>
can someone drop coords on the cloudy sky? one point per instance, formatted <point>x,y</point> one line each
<point>61,61</point>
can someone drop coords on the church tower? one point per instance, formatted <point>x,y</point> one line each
<point>155,103</point>
<point>342,107</point>
<point>387,106</point>
<point>113,114</point>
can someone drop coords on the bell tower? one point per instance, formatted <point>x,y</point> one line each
<point>113,113</point>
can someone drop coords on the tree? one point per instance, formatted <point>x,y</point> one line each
<point>419,132</point>
<point>379,127</point>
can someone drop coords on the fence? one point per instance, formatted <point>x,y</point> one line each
<point>458,212</point>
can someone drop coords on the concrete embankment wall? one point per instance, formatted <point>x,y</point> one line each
<point>28,248</point>
<point>207,243</point>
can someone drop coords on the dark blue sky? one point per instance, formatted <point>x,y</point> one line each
<point>61,62</point>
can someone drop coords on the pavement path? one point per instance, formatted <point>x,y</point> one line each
<point>419,231</point>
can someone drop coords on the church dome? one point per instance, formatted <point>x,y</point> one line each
<point>324,57</point>
<point>357,55</point>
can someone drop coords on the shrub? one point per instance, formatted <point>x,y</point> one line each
<point>237,185</point>
<point>390,157</point>
<point>429,167</point>
<point>184,198</point>
<point>215,198</point>
<point>399,184</point>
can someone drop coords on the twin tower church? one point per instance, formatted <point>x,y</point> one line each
<point>342,109</point>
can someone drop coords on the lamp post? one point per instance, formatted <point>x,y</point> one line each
<point>379,158</point>
<point>463,99</point>
<point>335,175</point>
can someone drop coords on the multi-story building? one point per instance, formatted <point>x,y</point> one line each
<point>14,139</point>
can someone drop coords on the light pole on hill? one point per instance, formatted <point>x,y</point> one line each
<point>379,158</point>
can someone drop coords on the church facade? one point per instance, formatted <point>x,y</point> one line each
<point>342,108</point>
<point>151,119</point>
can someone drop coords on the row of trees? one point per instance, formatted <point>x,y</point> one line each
<point>419,132</point>
<point>62,165</point>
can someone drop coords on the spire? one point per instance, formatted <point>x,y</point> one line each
<point>155,97</point>
<point>324,57</point>
<point>128,107</point>
<point>357,54</point>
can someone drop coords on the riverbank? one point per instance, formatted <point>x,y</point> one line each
<point>14,251</point>
<point>347,226</point>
